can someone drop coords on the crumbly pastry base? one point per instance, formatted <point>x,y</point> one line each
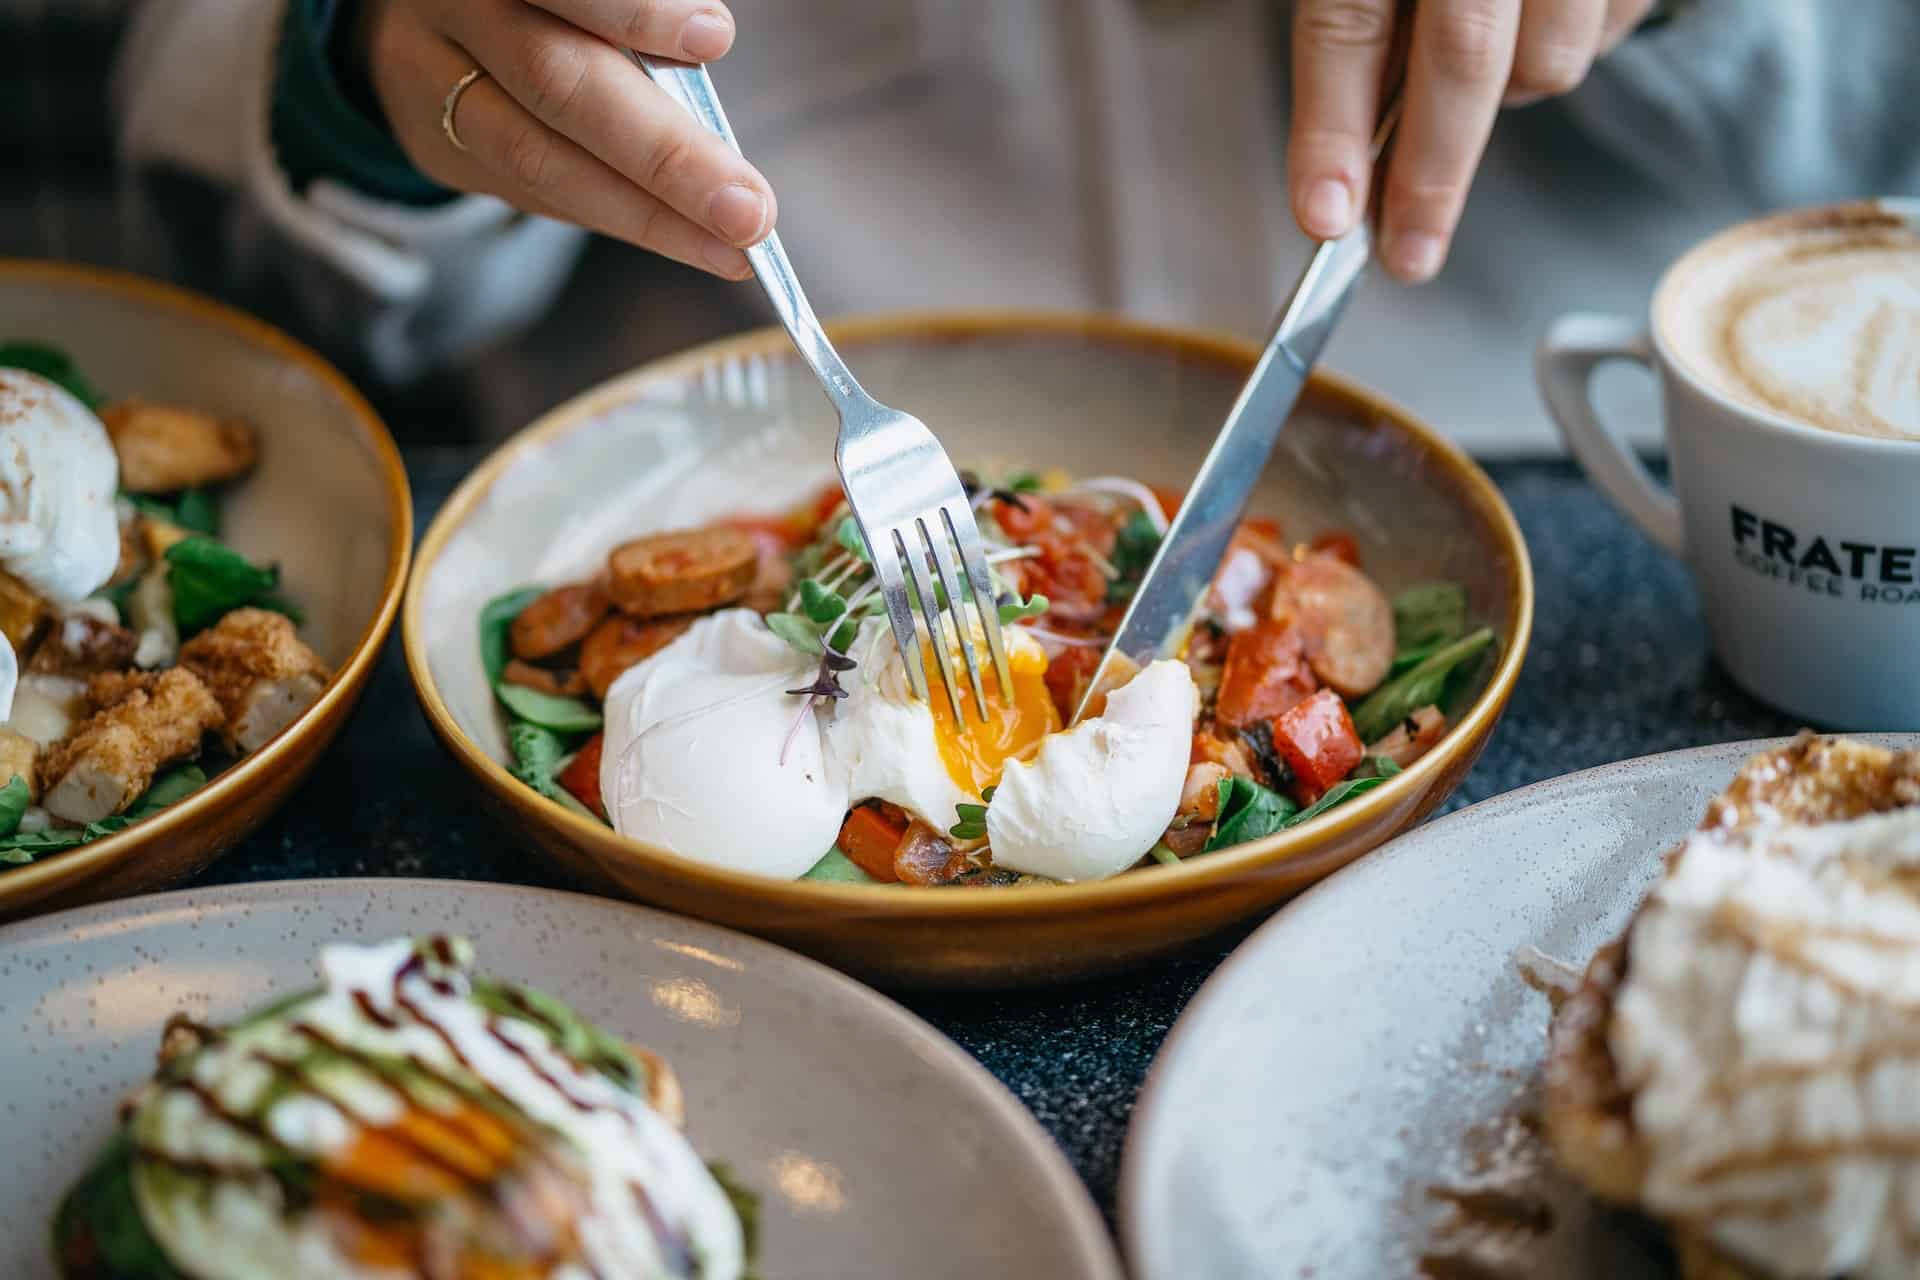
<point>1589,1119</point>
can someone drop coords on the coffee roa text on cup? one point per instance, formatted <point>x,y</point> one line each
<point>1826,565</point>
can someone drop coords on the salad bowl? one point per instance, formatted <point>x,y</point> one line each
<point>324,516</point>
<point>737,426</point>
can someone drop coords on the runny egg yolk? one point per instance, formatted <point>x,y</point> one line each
<point>976,754</point>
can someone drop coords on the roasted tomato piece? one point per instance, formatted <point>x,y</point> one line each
<point>1317,740</point>
<point>869,837</point>
<point>1026,519</point>
<point>1067,675</point>
<point>581,777</point>
<point>1266,674</point>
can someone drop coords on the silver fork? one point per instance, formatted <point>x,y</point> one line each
<point>906,497</point>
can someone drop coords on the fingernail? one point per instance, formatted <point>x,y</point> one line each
<point>705,37</point>
<point>738,213</point>
<point>1415,255</point>
<point>725,259</point>
<point>1328,208</point>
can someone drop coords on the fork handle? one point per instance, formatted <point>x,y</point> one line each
<point>692,88</point>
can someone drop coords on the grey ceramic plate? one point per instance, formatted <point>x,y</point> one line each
<point>1374,1046</point>
<point>879,1148</point>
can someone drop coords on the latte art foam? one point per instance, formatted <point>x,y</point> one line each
<point>1815,318</point>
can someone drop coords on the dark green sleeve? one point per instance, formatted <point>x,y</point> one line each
<point>325,125</point>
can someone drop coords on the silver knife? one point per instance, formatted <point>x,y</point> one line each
<point>1156,621</point>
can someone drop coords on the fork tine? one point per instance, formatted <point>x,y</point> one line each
<point>893,590</point>
<point>940,548</point>
<point>973,555</point>
<point>923,586</point>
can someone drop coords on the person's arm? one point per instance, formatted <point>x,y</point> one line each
<point>364,220</point>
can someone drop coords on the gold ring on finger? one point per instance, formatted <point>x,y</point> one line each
<point>460,86</point>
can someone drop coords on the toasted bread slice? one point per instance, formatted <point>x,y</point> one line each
<point>1588,1111</point>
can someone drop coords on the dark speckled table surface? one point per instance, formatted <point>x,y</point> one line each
<point>1619,667</point>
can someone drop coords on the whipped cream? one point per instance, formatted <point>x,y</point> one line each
<point>1769,1030</point>
<point>58,530</point>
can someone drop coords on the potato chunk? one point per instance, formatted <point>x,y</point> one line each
<point>164,448</point>
<point>260,671</point>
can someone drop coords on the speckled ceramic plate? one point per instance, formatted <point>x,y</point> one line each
<point>1374,1047</point>
<point>879,1148</point>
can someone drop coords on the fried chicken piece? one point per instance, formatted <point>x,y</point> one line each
<point>165,448</point>
<point>141,723</point>
<point>81,644</point>
<point>261,672</point>
<point>19,756</point>
<point>22,613</point>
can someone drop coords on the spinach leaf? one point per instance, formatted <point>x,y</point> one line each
<point>170,788</point>
<point>98,1228</point>
<point>495,618</point>
<point>538,756</point>
<point>54,365</point>
<point>1337,794</point>
<point>1425,618</point>
<point>1422,685</point>
<point>1248,811</point>
<point>14,799</point>
<point>561,715</point>
<point>1133,550</point>
<point>197,513</point>
<point>210,579</point>
<point>838,868</point>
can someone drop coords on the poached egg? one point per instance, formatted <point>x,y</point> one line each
<point>59,533</point>
<point>709,754</point>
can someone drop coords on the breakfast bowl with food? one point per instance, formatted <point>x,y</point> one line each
<point>653,628</point>
<point>203,535</point>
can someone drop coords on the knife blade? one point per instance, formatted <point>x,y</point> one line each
<point>1157,619</point>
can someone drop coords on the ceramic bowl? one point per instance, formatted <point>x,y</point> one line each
<point>329,503</point>
<point>1094,396</point>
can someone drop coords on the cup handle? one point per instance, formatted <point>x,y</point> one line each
<point>1574,347</point>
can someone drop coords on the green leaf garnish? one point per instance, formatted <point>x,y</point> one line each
<point>169,788</point>
<point>1247,811</point>
<point>210,579</point>
<point>847,534</point>
<point>1422,685</point>
<point>820,604</point>
<point>1133,550</point>
<point>973,820</point>
<point>54,365</point>
<point>1337,794</point>
<point>197,512</point>
<point>1023,482</point>
<point>1426,618</point>
<point>1016,609</point>
<point>14,799</point>
<point>1163,855</point>
<point>798,630</point>
<point>538,756</point>
<point>838,868</point>
<point>546,710</point>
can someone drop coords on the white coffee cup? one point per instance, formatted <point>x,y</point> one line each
<point>1803,540</point>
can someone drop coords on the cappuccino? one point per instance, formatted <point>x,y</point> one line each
<point>1810,316</point>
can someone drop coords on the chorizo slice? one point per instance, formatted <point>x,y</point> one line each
<point>561,684</point>
<point>619,643</point>
<point>686,572</point>
<point>1347,619</point>
<point>557,620</point>
<point>1266,673</point>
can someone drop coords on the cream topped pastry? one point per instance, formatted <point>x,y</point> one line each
<point>406,1119</point>
<point>1769,1030</point>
